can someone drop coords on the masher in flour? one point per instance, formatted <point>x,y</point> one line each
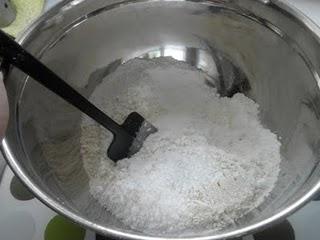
<point>128,137</point>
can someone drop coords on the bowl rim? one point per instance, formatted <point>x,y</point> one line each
<point>284,6</point>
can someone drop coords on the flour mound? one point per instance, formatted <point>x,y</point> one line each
<point>210,163</point>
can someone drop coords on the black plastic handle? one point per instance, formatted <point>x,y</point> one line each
<point>13,53</point>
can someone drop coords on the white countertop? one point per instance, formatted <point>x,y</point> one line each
<point>311,8</point>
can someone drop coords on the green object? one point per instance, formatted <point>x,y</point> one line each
<point>60,228</point>
<point>27,11</point>
<point>19,191</point>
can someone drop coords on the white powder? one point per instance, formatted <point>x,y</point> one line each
<point>210,163</point>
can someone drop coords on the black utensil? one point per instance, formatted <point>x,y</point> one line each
<point>127,138</point>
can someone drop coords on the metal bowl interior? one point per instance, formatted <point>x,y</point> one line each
<point>264,49</point>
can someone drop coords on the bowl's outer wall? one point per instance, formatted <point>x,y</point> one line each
<point>274,49</point>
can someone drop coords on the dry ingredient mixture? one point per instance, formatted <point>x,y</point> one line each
<point>210,163</point>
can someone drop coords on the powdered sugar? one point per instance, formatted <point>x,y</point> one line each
<point>210,163</point>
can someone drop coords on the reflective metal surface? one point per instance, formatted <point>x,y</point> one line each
<point>264,49</point>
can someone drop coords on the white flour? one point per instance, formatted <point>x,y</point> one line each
<point>210,163</point>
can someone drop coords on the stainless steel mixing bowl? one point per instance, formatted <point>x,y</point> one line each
<point>265,49</point>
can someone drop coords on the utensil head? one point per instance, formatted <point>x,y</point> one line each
<point>127,143</point>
